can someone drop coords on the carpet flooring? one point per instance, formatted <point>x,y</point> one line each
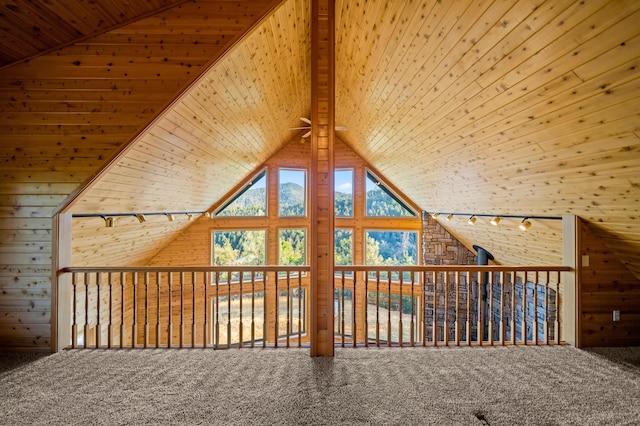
<point>374,386</point>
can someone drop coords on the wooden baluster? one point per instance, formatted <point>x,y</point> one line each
<point>123,277</point>
<point>557,322</point>
<point>86,309</point>
<point>241,326</point>
<point>158,331</point>
<point>413,313</point>
<point>377,308</point>
<point>546,309</point>
<point>469,297</point>
<point>502,290</point>
<point>74,311</point>
<point>289,305</point>
<point>134,309</point>
<point>456,331</point>
<point>146,310</point>
<point>277,312</point>
<point>400,311</point>
<point>435,309</point>
<point>205,314</point>
<point>110,326</point>
<point>354,321</point>
<point>181,310</point>
<point>342,310</point>
<point>193,309</point>
<point>424,308</point>
<point>98,333</point>
<point>170,314</point>
<point>229,275</point>
<point>253,308</point>
<point>480,322</point>
<point>217,309</point>
<point>445,328</point>
<point>490,308</point>
<point>366,309</point>
<point>389,308</point>
<point>524,309</point>
<point>264,310</point>
<point>535,308</point>
<point>300,292</point>
<point>513,307</point>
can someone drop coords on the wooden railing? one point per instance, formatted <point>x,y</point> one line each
<point>260,306</point>
<point>447,305</point>
<point>195,307</point>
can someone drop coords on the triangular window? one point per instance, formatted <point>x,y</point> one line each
<point>251,200</point>
<point>381,201</point>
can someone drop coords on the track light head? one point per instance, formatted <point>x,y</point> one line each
<point>207,214</point>
<point>189,216</point>
<point>435,215</point>
<point>141,218</point>
<point>170,217</point>
<point>449,216</point>
<point>525,224</point>
<point>495,221</point>
<point>472,220</point>
<point>109,222</point>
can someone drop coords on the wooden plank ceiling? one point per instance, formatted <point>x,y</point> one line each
<point>521,108</point>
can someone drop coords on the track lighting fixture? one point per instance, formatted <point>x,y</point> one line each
<point>141,218</point>
<point>109,222</point>
<point>189,216</point>
<point>525,224</point>
<point>495,219</point>
<point>170,217</point>
<point>207,214</point>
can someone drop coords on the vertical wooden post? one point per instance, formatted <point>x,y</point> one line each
<point>61,285</point>
<point>321,176</point>
<point>569,323</point>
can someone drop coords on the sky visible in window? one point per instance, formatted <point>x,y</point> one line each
<point>292,176</point>
<point>343,181</point>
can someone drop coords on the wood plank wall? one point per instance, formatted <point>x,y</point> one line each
<point>66,113</point>
<point>605,285</point>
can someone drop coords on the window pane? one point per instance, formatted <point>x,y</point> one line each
<point>381,311</point>
<point>343,187</point>
<point>231,324</point>
<point>292,247</point>
<point>382,202</point>
<point>343,253</point>
<point>250,201</point>
<point>239,248</point>
<point>292,192</point>
<point>391,247</point>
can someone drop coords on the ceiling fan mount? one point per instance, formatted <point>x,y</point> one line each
<point>307,121</point>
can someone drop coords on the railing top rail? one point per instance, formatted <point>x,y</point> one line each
<point>115,269</point>
<point>451,268</point>
<point>307,268</point>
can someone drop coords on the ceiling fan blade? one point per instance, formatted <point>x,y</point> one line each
<point>306,120</point>
<point>306,135</point>
<point>339,128</point>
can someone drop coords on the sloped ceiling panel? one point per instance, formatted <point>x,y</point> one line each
<point>234,118</point>
<point>31,28</point>
<point>522,108</point>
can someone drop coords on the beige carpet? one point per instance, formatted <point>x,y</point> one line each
<point>443,386</point>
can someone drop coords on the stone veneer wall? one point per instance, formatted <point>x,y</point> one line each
<point>441,248</point>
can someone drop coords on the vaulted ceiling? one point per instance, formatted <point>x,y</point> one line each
<point>512,108</point>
